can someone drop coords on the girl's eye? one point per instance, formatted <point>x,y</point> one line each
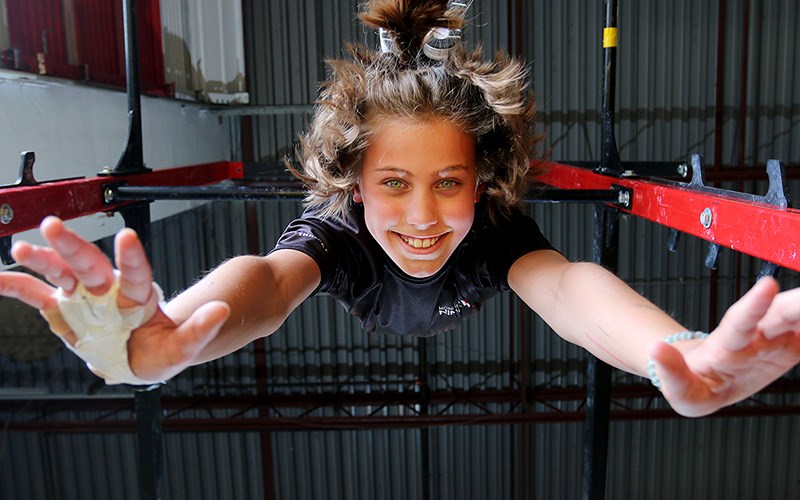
<point>448,184</point>
<point>394,183</point>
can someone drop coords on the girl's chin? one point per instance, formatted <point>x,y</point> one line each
<point>421,274</point>
<point>419,268</point>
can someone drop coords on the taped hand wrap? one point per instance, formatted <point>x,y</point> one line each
<point>103,330</point>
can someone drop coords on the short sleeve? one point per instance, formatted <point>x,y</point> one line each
<point>314,238</point>
<point>342,248</point>
<point>502,243</point>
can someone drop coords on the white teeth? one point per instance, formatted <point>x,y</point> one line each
<point>420,243</point>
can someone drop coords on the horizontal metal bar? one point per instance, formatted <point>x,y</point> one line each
<point>262,110</point>
<point>267,192</point>
<point>50,404</point>
<point>24,207</point>
<point>757,229</point>
<point>551,195</point>
<point>234,193</point>
<point>249,424</point>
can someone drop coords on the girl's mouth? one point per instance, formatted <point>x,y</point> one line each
<point>420,243</point>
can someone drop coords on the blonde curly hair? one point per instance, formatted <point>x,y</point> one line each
<point>488,99</point>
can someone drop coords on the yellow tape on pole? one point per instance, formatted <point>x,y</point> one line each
<point>609,37</point>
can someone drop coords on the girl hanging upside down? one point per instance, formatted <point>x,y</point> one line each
<point>416,161</point>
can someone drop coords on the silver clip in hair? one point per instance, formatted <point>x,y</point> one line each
<point>441,40</point>
<point>387,42</point>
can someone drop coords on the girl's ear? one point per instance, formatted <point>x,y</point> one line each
<point>357,195</point>
<point>479,191</point>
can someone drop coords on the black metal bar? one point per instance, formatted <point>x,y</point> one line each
<point>266,192</point>
<point>148,399</point>
<point>662,169</point>
<point>598,373</point>
<point>122,193</point>
<point>609,157</point>
<point>574,196</point>
<point>606,242</point>
<point>424,433</point>
<point>132,159</point>
<point>150,443</point>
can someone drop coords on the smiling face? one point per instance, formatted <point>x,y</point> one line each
<point>419,188</point>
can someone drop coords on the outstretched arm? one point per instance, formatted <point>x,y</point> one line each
<point>757,341</point>
<point>245,298</point>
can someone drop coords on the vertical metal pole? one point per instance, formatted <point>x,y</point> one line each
<point>424,432</point>
<point>147,399</point>
<point>132,159</point>
<point>598,373</point>
<point>609,160</point>
<point>150,443</point>
<point>606,240</point>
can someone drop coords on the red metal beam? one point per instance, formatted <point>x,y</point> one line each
<point>757,229</point>
<point>74,198</point>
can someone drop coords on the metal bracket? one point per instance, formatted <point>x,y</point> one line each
<point>776,195</point>
<point>5,250</point>
<point>25,178</point>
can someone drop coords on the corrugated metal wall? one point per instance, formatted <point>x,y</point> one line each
<point>668,109</point>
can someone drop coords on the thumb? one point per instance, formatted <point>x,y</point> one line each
<point>201,327</point>
<point>671,369</point>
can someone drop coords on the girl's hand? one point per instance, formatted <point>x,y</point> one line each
<point>159,348</point>
<point>757,341</point>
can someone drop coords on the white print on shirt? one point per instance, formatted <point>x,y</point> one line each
<point>455,310</point>
<point>309,235</point>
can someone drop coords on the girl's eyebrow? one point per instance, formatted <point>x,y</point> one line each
<point>451,169</point>
<point>405,173</point>
<point>394,170</point>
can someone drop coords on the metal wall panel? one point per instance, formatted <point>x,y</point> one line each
<point>667,100</point>
<point>100,40</point>
<point>36,26</point>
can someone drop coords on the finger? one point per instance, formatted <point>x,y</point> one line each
<point>47,262</point>
<point>89,265</point>
<point>30,290</point>
<point>38,294</point>
<point>742,318</point>
<point>136,276</point>
<point>783,315</point>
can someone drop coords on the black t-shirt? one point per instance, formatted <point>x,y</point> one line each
<point>359,274</point>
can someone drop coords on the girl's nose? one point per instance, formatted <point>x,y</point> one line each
<point>422,212</point>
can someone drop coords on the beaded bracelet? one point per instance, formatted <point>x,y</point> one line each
<point>675,337</point>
